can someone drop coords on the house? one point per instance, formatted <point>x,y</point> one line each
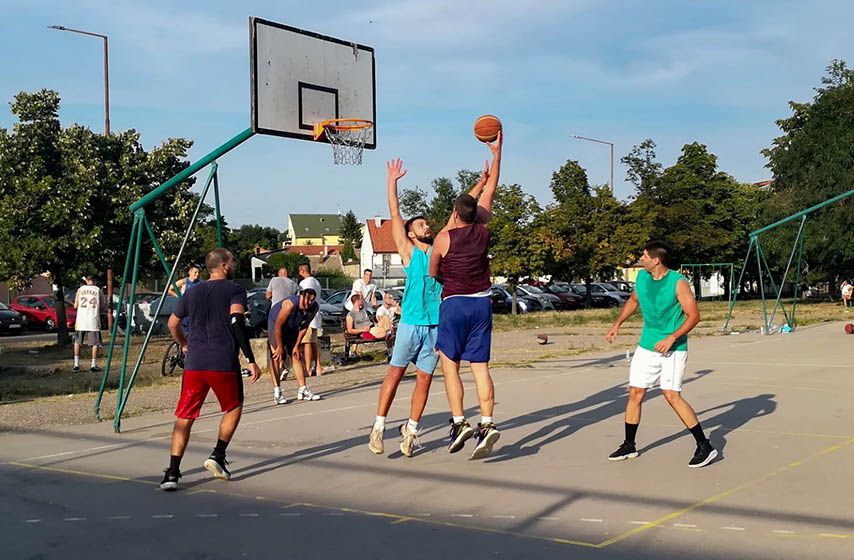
<point>313,229</point>
<point>379,253</point>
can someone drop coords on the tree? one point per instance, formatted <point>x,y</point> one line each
<point>812,162</point>
<point>351,235</point>
<point>289,260</point>
<point>414,201</point>
<point>243,241</point>
<point>514,241</point>
<point>64,195</point>
<point>643,170</point>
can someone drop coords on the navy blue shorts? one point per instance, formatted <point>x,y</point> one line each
<point>465,328</point>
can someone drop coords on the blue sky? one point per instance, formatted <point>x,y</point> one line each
<point>716,72</point>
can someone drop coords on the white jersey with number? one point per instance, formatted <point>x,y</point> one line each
<point>88,308</point>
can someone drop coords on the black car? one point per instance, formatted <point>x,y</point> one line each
<point>10,320</point>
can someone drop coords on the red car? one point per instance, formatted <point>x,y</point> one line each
<point>40,311</point>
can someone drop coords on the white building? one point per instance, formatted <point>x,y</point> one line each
<point>379,253</point>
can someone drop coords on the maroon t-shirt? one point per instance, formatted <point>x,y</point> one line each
<point>465,268</point>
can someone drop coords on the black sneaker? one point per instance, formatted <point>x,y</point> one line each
<point>94,369</point>
<point>704,455</point>
<point>75,369</point>
<point>627,450</point>
<point>170,480</point>
<point>216,465</point>
<point>460,433</point>
<point>487,434</point>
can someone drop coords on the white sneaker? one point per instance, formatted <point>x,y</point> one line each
<point>280,399</point>
<point>305,394</point>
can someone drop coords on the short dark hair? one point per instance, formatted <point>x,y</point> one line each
<point>216,257</point>
<point>308,291</point>
<point>411,221</point>
<point>658,250</point>
<point>466,207</point>
<point>306,266</point>
<point>355,295</point>
<point>89,277</point>
<point>191,267</point>
<point>281,268</point>
<point>367,270</point>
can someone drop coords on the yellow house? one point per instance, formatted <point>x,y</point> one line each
<point>314,229</point>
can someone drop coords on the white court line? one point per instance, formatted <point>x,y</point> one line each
<point>591,520</point>
<point>119,517</point>
<point>207,515</point>
<point>733,528</point>
<point>74,519</point>
<point>32,520</point>
<point>782,532</point>
<point>250,515</point>
<point>504,517</point>
<point>462,515</point>
<point>639,522</point>
<point>163,516</point>
<point>549,518</point>
<point>290,514</point>
<point>686,525</point>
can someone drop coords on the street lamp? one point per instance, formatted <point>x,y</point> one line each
<point>612,155</point>
<point>106,72</point>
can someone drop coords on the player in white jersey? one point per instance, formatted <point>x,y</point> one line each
<point>88,302</point>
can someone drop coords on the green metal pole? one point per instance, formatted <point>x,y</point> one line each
<point>161,257</point>
<point>740,278</point>
<point>761,286</point>
<point>120,406</point>
<point>133,231</point>
<point>139,214</point>
<point>777,292</point>
<point>205,161</point>
<point>216,205</point>
<point>786,273</point>
<point>798,275</point>
<point>803,212</point>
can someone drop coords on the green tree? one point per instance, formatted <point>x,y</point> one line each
<point>436,210</point>
<point>643,171</point>
<point>351,235</point>
<point>243,240</point>
<point>514,238</point>
<point>64,195</point>
<point>289,260</point>
<point>812,162</point>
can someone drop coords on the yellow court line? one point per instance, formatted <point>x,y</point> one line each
<point>84,473</point>
<point>719,496</point>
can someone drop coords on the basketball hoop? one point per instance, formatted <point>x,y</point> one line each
<point>348,138</point>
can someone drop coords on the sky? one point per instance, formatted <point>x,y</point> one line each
<point>711,71</point>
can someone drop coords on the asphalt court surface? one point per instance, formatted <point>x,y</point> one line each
<point>777,408</point>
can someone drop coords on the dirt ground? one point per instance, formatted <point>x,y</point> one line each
<point>38,388</point>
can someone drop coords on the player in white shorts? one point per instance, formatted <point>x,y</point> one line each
<point>669,313</point>
<point>88,302</point>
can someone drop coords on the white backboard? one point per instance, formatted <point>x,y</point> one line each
<point>300,78</point>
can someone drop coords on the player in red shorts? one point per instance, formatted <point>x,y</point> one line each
<point>217,331</point>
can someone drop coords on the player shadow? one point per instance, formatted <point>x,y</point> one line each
<point>608,403</point>
<point>737,414</point>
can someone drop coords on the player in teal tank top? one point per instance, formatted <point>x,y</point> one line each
<point>669,314</point>
<point>415,339</point>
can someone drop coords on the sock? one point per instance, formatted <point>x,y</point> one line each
<point>486,420</point>
<point>76,361</point>
<point>220,447</point>
<point>458,419</point>
<point>277,392</point>
<point>631,432</point>
<point>303,388</point>
<point>697,432</point>
<point>175,463</point>
<point>379,423</point>
<point>94,363</point>
<point>413,425</point>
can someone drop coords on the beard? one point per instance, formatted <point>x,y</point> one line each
<point>426,239</point>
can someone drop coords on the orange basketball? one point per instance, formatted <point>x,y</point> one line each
<point>486,128</point>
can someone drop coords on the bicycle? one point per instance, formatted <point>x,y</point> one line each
<point>173,358</point>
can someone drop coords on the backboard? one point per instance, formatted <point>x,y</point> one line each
<point>300,78</point>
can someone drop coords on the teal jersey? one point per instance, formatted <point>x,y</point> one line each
<point>423,294</point>
<point>662,313</point>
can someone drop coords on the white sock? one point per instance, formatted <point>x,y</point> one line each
<point>379,423</point>
<point>76,361</point>
<point>94,363</point>
<point>458,419</point>
<point>277,392</point>
<point>486,419</point>
<point>413,425</point>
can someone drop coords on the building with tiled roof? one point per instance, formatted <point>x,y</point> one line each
<point>379,253</point>
<point>313,229</point>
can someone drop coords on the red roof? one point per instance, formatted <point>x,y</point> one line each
<point>382,238</point>
<point>315,250</point>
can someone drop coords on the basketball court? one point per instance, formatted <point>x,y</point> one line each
<point>778,408</point>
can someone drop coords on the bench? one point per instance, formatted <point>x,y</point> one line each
<point>355,339</point>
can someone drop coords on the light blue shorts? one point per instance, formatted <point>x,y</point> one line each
<point>416,344</point>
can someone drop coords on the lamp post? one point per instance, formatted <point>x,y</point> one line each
<point>106,71</point>
<point>612,155</point>
<point>106,133</point>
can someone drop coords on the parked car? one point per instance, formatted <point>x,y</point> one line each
<point>524,304</point>
<point>549,301</point>
<point>622,285</point>
<point>612,291</point>
<point>568,298</point>
<point>40,312</point>
<point>10,320</point>
<point>598,298</point>
<point>499,301</point>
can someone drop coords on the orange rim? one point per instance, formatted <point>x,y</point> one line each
<point>341,124</point>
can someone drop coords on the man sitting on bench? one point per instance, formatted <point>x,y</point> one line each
<point>360,324</point>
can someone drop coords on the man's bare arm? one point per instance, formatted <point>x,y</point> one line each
<point>398,229</point>
<point>488,194</point>
<point>176,331</point>
<point>440,247</point>
<point>629,307</point>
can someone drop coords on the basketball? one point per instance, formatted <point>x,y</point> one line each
<point>849,328</point>
<point>542,339</point>
<point>486,128</point>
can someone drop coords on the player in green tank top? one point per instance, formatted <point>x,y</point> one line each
<point>669,313</point>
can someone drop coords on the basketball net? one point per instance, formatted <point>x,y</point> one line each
<point>348,138</point>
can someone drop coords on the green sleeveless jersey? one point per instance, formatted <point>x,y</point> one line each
<point>662,313</point>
